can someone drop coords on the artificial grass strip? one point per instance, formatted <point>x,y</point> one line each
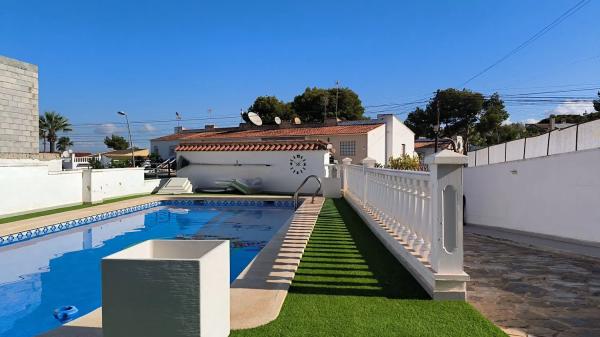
<point>348,284</point>
<point>65,209</point>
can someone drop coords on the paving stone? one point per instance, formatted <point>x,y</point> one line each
<point>538,293</point>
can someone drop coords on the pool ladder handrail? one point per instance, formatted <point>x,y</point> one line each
<point>302,185</point>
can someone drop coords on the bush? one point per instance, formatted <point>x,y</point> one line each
<point>404,162</point>
<point>95,164</point>
<point>120,163</point>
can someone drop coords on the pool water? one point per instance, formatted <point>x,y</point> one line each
<point>42,274</point>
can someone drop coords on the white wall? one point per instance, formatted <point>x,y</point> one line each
<point>32,185</point>
<point>589,135</point>
<point>163,147</point>
<point>397,134</point>
<point>575,138</point>
<point>376,144</point>
<point>112,183</point>
<point>275,178</point>
<point>556,195</point>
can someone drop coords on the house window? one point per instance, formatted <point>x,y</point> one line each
<point>172,150</point>
<point>155,149</point>
<point>403,149</point>
<point>348,148</point>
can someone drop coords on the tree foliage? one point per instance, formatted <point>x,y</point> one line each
<point>313,105</point>
<point>116,142</point>
<point>64,143</point>
<point>460,111</point>
<point>316,104</point>
<point>493,115</point>
<point>597,103</point>
<point>50,124</point>
<point>269,107</point>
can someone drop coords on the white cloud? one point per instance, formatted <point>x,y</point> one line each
<point>507,122</point>
<point>107,129</point>
<point>148,127</point>
<point>530,121</point>
<point>573,108</point>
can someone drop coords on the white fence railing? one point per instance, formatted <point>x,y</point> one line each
<point>421,212</point>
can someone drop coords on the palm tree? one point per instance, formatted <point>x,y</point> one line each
<point>53,122</point>
<point>64,143</point>
<point>42,133</point>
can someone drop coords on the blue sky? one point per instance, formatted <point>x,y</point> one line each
<point>152,58</point>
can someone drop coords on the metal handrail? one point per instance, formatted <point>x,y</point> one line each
<point>301,185</point>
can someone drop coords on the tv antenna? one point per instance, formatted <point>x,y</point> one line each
<point>255,118</point>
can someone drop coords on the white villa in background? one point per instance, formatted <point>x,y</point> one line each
<point>380,138</point>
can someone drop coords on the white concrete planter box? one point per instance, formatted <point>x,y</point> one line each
<point>159,288</point>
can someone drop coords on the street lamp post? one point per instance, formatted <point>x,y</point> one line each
<point>130,142</point>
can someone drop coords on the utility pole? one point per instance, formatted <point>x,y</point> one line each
<point>436,127</point>
<point>337,93</point>
<point>324,101</point>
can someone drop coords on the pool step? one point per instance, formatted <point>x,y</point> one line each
<point>176,186</point>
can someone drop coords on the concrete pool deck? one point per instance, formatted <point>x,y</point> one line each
<point>257,295</point>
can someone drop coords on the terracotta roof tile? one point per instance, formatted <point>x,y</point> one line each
<point>274,133</point>
<point>312,145</point>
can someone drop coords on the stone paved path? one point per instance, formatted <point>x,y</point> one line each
<point>540,292</point>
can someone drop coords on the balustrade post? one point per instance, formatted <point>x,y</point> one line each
<point>345,163</point>
<point>367,163</point>
<point>446,255</point>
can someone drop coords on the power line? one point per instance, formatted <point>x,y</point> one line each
<point>532,39</point>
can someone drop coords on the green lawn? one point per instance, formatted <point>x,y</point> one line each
<point>348,284</point>
<point>63,209</point>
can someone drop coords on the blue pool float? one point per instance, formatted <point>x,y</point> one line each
<point>66,313</point>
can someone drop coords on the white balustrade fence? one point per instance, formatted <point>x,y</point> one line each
<point>419,211</point>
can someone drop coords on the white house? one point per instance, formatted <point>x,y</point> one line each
<point>379,138</point>
<point>275,166</point>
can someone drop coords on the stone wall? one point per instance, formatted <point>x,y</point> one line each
<point>18,108</point>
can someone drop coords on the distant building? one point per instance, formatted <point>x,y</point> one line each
<point>426,146</point>
<point>378,138</point>
<point>19,114</point>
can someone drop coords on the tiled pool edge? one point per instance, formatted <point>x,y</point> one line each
<point>25,235</point>
<point>259,301</point>
<point>257,295</point>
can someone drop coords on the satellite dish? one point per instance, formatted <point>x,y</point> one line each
<point>297,121</point>
<point>65,154</point>
<point>277,120</point>
<point>254,118</point>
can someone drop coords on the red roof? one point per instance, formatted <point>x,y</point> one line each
<point>275,133</point>
<point>431,143</point>
<point>255,146</point>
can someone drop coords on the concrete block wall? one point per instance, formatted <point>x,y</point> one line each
<point>19,113</point>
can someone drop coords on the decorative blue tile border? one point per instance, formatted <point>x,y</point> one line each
<point>62,226</point>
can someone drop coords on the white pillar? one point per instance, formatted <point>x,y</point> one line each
<point>345,163</point>
<point>367,163</point>
<point>446,254</point>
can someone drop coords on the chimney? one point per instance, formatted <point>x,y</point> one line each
<point>178,129</point>
<point>330,121</point>
<point>209,127</point>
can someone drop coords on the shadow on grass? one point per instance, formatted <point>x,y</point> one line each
<point>352,236</point>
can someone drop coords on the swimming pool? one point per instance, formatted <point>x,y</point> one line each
<point>38,275</point>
